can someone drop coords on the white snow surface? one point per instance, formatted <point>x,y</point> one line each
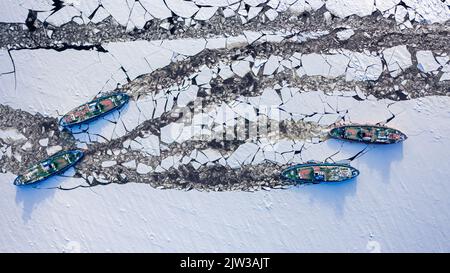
<point>398,203</point>
<point>344,8</point>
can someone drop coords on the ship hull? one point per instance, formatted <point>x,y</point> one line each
<point>370,134</point>
<point>319,172</point>
<point>54,165</point>
<point>94,109</point>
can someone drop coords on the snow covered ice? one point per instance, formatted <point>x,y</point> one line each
<point>224,95</point>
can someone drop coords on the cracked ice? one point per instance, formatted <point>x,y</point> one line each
<point>224,95</point>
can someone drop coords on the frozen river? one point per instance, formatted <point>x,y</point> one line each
<point>223,97</point>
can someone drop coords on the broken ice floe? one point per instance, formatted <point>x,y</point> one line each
<point>397,59</point>
<point>428,62</point>
<point>345,34</point>
<point>135,14</point>
<point>11,135</point>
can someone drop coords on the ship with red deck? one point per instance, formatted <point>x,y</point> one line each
<point>373,134</point>
<point>317,172</point>
<point>94,109</point>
